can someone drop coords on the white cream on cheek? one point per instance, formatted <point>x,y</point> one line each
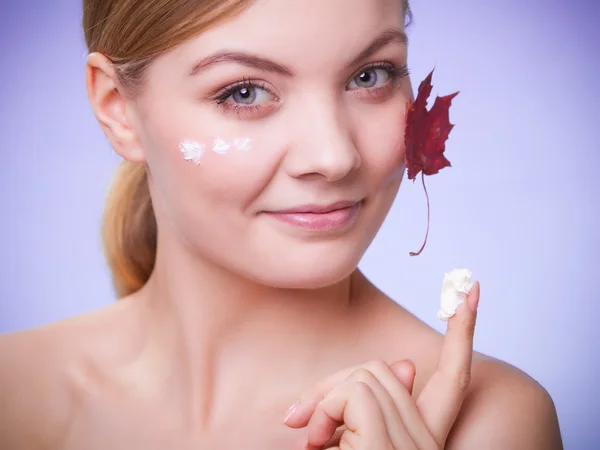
<point>242,144</point>
<point>193,151</point>
<point>220,146</point>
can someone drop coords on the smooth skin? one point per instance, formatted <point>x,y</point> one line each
<point>87,384</point>
<point>243,314</point>
<point>371,407</point>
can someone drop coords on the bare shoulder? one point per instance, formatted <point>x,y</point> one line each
<point>34,403</point>
<point>505,408</point>
<point>40,370</point>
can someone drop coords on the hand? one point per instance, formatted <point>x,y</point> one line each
<point>370,407</point>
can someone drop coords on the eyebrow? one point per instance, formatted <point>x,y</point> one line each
<point>387,37</point>
<point>257,62</point>
<point>243,58</point>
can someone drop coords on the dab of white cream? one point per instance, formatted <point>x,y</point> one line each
<point>220,146</point>
<point>242,144</point>
<point>192,151</point>
<point>455,287</point>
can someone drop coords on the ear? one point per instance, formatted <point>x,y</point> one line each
<point>112,108</point>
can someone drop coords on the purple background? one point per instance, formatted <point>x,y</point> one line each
<point>518,206</point>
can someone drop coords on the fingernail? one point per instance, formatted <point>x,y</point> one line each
<point>291,412</point>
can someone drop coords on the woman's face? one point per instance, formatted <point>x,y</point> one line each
<point>299,106</point>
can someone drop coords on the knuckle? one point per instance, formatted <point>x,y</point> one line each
<point>362,375</point>
<point>362,389</point>
<point>459,380</point>
<point>469,326</point>
<point>463,381</point>
<point>378,365</point>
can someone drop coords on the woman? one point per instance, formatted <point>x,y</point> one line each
<point>263,147</point>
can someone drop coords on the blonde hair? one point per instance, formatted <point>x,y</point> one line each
<point>131,34</point>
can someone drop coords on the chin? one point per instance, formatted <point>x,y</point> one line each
<point>304,277</point>
<point>308,267</point>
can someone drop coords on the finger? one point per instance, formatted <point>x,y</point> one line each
<point>334,442</point>
<point>353,404</point>
<point>398,381</point>
<point>405,371</point>
<point>378,379</point>
<point>300,413</point>
<point>442,396</point>
<point>395,381</point>
<point>397,433</point>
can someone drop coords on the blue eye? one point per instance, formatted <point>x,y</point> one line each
<point>245,93</point>
<point>377,76</point>
<point>370,78</point>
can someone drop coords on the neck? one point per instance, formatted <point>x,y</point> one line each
<point>222,334</point>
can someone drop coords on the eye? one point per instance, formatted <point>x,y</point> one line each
<point>244,93</point>
<point>370,78</point>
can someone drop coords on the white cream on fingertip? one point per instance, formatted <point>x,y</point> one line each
<point>456,286</point>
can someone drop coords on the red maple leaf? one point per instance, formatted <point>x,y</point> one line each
<point>425,138</point>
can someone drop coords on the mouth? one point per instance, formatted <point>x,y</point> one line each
<point>333,217</point>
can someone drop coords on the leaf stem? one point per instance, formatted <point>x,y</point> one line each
<point>428,218</point>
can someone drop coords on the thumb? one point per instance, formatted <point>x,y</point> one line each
<point>405,370</point>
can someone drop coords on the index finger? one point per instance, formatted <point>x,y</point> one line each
<point>442,397</point>
<point>299,415</point>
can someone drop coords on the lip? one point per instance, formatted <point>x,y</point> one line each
<point>334,217</point>
<point>317,209</point>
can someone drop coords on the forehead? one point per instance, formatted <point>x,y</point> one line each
<point>294,31</point>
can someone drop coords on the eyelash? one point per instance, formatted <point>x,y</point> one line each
<point>225,93</point>
<point>220,98</point>
<point>395,73</point>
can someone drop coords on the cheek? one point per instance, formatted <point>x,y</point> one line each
<point>381,144</point>
<point>196,173</point>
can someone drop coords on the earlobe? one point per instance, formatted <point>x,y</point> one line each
<point>109,105</point>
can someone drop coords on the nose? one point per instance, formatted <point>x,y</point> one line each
<point>323,144</point>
